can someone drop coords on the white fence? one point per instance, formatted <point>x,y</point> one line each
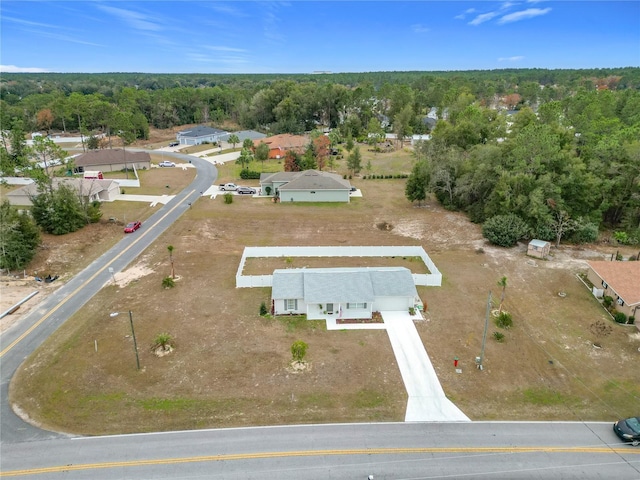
<point>431,279</point>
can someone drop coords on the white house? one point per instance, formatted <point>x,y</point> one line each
<point>343,293</point>
<point>306,186</point>
<point>200,134</point>
<point>90,189</point>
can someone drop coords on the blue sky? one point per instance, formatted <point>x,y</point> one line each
<point>306,36</point>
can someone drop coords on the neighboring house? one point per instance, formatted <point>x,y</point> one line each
<point>101,190</point>
<point>538,249</point>
<point>306,186</point>
<point>419,138</point>
<point>200,134</point>
<point>243,135</point>
<point>620,281</point>
<point>279,144</point>
<point>342,293</point>
<point>111,160</point>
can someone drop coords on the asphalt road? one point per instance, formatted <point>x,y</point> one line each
<point>17,343</point>
<point>386,451</point>
<point>482,450</point>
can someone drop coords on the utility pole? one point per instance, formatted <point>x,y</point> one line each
<point>480,359</point>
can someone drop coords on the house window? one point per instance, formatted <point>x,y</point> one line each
<point>291,304</point>
<point>620,301</point>
<point>604,284</point>
<point>312,191</point>
<point>360,306</point>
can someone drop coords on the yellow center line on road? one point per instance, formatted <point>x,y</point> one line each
<point>53,310</point>
<point>313,453</point>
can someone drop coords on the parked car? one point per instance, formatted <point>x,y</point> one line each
<point>246,191</point>
<point>228,187</point>
<point>628,430</point>
<point>166,163</point>
<point>174,144</point>
<point>132,227</point>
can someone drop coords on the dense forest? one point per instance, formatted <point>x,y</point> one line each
<point>553,154</point>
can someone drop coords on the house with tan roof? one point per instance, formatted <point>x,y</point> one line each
<point>279,144</point>
<point>89,189</point>
<point>620,281</point>
<point>306,186</point>
<point>111,160</point>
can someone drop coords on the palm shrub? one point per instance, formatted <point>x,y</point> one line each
<point>498,336</point>
<point>168,282</point>
<point>162,340</point>
<point>504,320</point>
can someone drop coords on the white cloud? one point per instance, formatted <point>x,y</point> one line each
<point>419,28</point>
<point>468,11</point>
<point>484,17</point>
<point>523,15</point>
<point>218,48</point>
<point>515,58</point>
<point>14,69</point>
<point>226,9</point>
<point>136,20</point>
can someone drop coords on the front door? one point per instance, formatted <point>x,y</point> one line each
<point>330,308</point>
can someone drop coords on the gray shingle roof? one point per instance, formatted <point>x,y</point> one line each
<point>308,180</point>
<point>319,285</point>
<point>200,131</point>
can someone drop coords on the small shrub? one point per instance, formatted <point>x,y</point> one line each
<point>607,301</point>
<point>228,198</point>
<point>499,337</point>
<point>299,350</point>
<point>620,317</point>
<point>268,190</point>
<point>631,320</point>
<point>504,320</point>
<point>263,309</point>
<point>412,311</point>
<point>168,282</point>
<point>163,340</point>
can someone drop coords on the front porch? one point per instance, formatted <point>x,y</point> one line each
<point>337,311</point>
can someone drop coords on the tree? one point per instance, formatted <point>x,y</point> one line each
<point>562,224</point>
<point>309,158</point>
<point>291,161</point>
<point>47,153</point>
<point>321,147</point>
<point>19,237</point>
<point>248,144</point>
<point>354,160</point>
<point>233,140</point>
<point>375,133</point>
<point>245,158</point>
<point>502,283</point>
<point>299,350</point>
<point>505,230</point>
<point>170,249</point>
<point>262,153</point>
<point>44,119</point>
<point>402,123</point>
<point>348,146</point>
<point>58,211</point>
<point>416,188</point>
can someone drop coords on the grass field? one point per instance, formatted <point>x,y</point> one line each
<point>231,367</point>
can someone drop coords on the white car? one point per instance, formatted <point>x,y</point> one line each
<point>166,163</point>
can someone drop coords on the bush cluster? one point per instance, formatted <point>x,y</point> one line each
<point>249,175</point>
<point>385,177</point>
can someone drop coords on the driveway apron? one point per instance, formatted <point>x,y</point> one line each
<point>427,401</point>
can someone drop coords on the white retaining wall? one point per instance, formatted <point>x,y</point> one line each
<point>432,279</point>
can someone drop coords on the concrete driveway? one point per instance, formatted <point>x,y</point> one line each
<point>427,401</point>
